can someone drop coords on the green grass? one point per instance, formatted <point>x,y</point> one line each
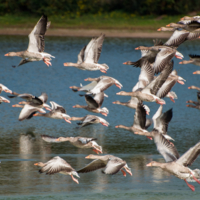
<point>114,20</point>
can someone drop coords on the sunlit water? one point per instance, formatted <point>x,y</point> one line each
<point>21,145</point>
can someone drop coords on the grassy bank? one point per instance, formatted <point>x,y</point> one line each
<point>114,20</point>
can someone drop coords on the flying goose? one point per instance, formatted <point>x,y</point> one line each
<point>39,102</point>
<point>146,55</point>
<point>139,123</point>
<point>194,59</point>
<point>94,104</point>
<point>35,51</point>
<point>163,57</point>
<point>89,56</point>
<point>179,166</point>
<point>150,91</point>
<point>194,88</point>
<point>57,112</point>
<point>89,119</point>
<point>58,165</point>
<point>80,142</point>
<point>196,104</point>
<point>112,165</point>
<point>103,83</point>
<point>193,26</point>
<point>28,111</point>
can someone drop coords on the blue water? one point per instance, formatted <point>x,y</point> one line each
<point>21,145</point>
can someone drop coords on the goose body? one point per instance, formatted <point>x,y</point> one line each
<point>35,51</point>
<point>112,165</point>
<point>57,112</point>
<point>32,100</point>
<point>80,142</point>
<point>179,166</point>
<point>89,119</point>
<point>89,56</point>
<point>94,104</point>
<point>58,165</point>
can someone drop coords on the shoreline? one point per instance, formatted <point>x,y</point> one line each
<point>120,33</point>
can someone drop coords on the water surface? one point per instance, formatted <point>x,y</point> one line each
<point>21,145</point>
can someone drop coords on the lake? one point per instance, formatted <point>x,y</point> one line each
<point>21,145</point>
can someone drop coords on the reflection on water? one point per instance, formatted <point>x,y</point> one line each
<point>21,145</point>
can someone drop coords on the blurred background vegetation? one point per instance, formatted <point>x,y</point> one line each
<point>102,13</point>
<point>82,7</point>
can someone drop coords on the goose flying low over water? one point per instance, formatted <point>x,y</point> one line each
<point>35,51</point>
<point>80,142</point>
<point>103,83</point>
<point>139,124</point>
<point>88,120</point>
<point>195,104</point>
<point>194,59</point>
<point>149,92</point>
<point>28,111</point>
<point>179,166</point>
<point>89,56</point>
<point>57,112</point>
<point>112,165</point>
<point>58,165</point>
<point>94,104</point>
<point>39,102</point>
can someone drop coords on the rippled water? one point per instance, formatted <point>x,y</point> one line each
<point>21,145</point>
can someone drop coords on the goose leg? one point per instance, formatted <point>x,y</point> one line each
<point>46,61</point>
<point>123,172</point>
<point>74,179</point>
<point>96,150</point>
<point>128,170</point>
<point>67,120</point>
<point>149,137</point>
<point>181,82</point>
<point>171,97</point>
<point>103,71</point>
<point>160,102</point>
<point>190,186</point>
<point>195,178</point>
<point>118,85</point>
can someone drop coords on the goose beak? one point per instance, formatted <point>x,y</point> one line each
<point>149,165</point>
<point>87,157</point>
<point>36,164</point>
<point>168,25</point>
<point>125,63</point>
<point>6,54</point>
<point>159,29</point>
<point>65,64</point>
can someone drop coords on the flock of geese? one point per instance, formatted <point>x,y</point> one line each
<point>155,60</point>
